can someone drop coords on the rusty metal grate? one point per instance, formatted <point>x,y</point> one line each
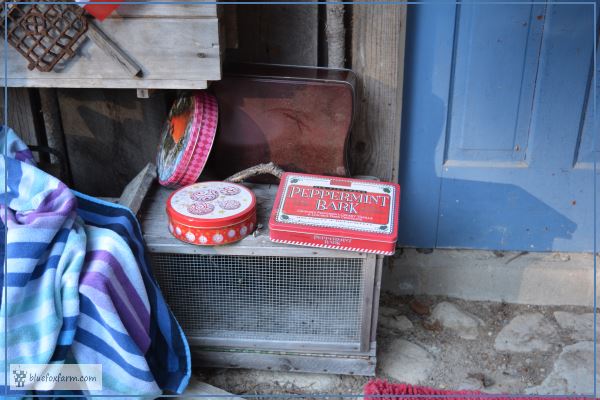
<point>44,33</point>
<point>265,298</point>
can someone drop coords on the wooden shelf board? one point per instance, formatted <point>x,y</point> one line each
<point>174,53</point>
<point>158,238</point>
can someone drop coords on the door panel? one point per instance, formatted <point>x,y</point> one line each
<point>496,57</point>
<point>502,160</point>
<point>588,145</point>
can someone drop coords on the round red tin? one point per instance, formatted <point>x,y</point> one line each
<point>187,139</point>
<point>211,213</point>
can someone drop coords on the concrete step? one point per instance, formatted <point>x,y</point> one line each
<point>512,277</point>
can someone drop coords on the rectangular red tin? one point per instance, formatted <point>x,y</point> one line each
<point>338,213</point>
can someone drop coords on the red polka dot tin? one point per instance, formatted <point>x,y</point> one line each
<point>187,139</point>
<point>211,213</point>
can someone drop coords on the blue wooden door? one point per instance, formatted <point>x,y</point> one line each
<point>498,134</point>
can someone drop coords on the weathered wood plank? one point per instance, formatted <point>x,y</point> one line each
<point>378,36</point>
<point>110,135</point>
<point>158,238</point>
<point>286,362</point>
<point>135,192</point>
<point>376,295</point>
<point>78,83</point>
<point>278,33</point>
<point>110,47</point>
<point>205,391</point>
<point>176,53</point>
<point>369,271</point>
<point>228,339</point>
<point>23,117</point>
<point>176,10</point>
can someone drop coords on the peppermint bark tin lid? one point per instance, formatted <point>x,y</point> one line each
<point>337,206</point>
<point>211,204</point>
<point>187,139</point>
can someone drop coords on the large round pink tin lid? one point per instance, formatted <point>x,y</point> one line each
<point>187,139</point>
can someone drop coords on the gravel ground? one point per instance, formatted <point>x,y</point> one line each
<point>453,344</point>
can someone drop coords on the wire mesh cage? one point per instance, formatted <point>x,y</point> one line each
<point>265,305</point>
<point>265,299</point>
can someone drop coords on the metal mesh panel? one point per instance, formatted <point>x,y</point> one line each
<point>42,32</point>
<point>264,298</point>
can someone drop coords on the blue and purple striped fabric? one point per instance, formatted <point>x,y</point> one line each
<point>78,285</point>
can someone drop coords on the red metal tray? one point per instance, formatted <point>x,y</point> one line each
<point>297,117</point>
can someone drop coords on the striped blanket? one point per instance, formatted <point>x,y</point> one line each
<point>78,288</point>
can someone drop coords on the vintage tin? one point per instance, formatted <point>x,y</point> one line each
<point>297,117</point>
<point>338,213</point>
<point>211,213</point>
<point>187,139</point>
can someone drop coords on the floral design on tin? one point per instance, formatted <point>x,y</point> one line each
<point>229,190</point>
<point>190,236</point>
<point>231,233</point>
<point>178,230</point>
<point>218,238</point>
<point>200,208</point>
<point>243,230</point>
<point>204,195</point>
<point>171,228</point>
<point>229,204</point>
<point>203,239</point>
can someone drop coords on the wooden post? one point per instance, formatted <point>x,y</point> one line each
<point>335,33</point>
<point>378,33</point>
<point>54,131</point>
<point>24,115</point>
